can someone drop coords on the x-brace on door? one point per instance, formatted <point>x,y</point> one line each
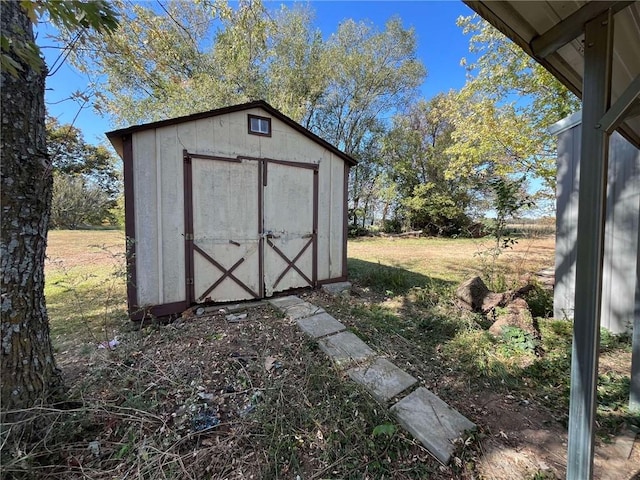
<point>290,222</point>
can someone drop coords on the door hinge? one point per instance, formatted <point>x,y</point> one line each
<point>189,281</point>
<point>188,236</point>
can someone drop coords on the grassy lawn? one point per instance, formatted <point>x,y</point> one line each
<point>85,285</point>
<point>201,398</point>
<point>451,260</point>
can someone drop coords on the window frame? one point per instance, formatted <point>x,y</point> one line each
<point>260,119</point>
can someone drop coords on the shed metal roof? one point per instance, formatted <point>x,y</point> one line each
<point>552,33</point>
<point>115,136</point>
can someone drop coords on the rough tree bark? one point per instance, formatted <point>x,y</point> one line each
<point>28,369</point>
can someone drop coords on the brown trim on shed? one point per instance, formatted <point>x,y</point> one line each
<point>202,156</point>
<point>314,261</point>
<point>332,280</point>
<point>130,223</point>
<point>262,177</point>
<point>189,282</point>
<point>162,310</point>
<point>291,264</point>
<point>226,273</point>
<point>289,163</point>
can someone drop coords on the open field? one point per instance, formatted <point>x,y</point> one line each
<point>454,259</point>
<point>201,397</point>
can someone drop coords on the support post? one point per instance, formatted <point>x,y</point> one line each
<point>634,393</point>
<point>590,246</point>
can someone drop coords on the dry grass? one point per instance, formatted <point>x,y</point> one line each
<point>453,259</point>
<point>90,249</point>
<point>203,398</point>
<point>85,285</point>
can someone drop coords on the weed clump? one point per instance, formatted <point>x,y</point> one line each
<point>540,301</point>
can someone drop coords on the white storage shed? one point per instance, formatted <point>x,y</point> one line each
<point>620,292</point>
<point>231,204</point>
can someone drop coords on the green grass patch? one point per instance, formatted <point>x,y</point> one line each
<point>397,280</point>
<point>540,301</point>
<point>85,286</point>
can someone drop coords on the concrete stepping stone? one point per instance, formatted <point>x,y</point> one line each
<point>301,310</point>
<point>382,378</point>
<point>345,348</point>
<point>320,325</point>
<point>431,421</point>
<point>294,307</point>
<point>337,288</point>
<point>284,302</point>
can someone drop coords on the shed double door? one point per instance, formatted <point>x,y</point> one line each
<point>251,227</point>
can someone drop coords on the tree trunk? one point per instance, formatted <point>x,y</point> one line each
<point>28,369</point>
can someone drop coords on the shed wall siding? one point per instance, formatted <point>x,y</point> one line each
<point>146,212</point>
<point>621,231</point>
<point>337,213</point>
<point>226,135</point>
<point>171,215</point>
<point>330,217</point>
<point>159,200</point>
<point>159,209</point>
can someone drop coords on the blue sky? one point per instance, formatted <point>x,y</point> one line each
<point>441,45</point>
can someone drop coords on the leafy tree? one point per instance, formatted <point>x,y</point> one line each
<point>152,66</point>
<point>493,139</point>
<point>205,55</point>
<point>81,171</point>
<point>416,152</point>
<point>506,107</point>
<point>298,64</point>
<point>373,73</point>
<point>504,70</point>
<point>365,182</point>
<point>509,199</point>
<point>27,367</point>
<point>77,202</point>
<point>71,155</point>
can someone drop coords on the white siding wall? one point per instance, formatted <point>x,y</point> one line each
<point>159,210</point>
<point>337,212</point>
<point>171,215</point>
<point>621,231</point>
<point>145,178</point>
